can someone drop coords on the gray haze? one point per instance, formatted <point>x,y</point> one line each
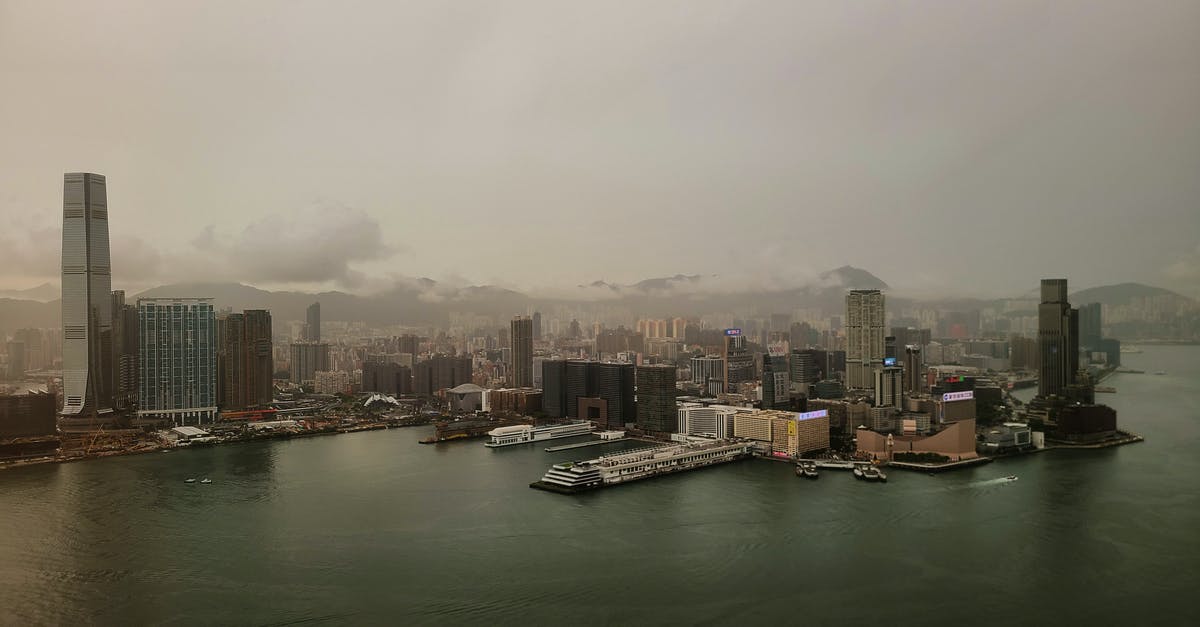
<point>968,147</point>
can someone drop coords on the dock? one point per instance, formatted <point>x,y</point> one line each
<point>564,447</point>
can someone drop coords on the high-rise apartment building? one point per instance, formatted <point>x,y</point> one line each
<point>656,398</point>
<point>86,298</point>
<point>521,375</point>
<point>441,372</point>
<point>308,358</point>
<point>177,373</point>
<point>864,337</point>
<point>244,348</point>
<point>537,325</point>
<point>125,352</point>
<point>1058,338</point>
<point>312,323</point>
<point>386,378</point>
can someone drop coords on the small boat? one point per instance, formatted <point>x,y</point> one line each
<point>1011,478</point>
<point>806,469</point>
<point>1160,372</point>
<point>206,480</point>
<point>190,480</point>
<point>858,472</point>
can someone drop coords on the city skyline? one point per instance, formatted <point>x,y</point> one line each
<point>823,119</point>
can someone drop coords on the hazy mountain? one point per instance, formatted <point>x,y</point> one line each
<point>44,293</point>
<point>18,314</point>
<point>849,277</point>
<point>1122,294</point>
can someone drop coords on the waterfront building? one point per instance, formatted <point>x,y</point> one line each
<point>1058,339</point>
<point>955,441</point>
<point>307,359</point>
<point>523,401</point>
<point>27,415</point>
<point>177,361</point>
<point>601,392</point>
<point>244,368</point>
<point>711,420</point>
<point>656,398</point>
<point>86,298</point>
<point>521,374</point>
<point>864,337</point>
<point>787,433</point>
<point>312,323</point>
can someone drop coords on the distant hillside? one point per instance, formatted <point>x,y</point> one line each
<point>44,293</point>
<point>852,278</point>
<point>1121,294</point>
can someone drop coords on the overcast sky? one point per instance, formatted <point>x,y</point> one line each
<point>968,147</point>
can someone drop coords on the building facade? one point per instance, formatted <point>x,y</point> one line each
<point>312,323</point>
<point>244,349</point>
<point>177,359</point>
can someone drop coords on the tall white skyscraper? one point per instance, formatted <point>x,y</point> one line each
<point>864,337</point>
<point>86,298</point>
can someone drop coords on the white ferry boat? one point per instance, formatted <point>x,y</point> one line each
<point>524,434</point>
<point>639,464</point>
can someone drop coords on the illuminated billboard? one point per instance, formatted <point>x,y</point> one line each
<point>889,361</point>
<point>808,415</point>
<point>732,332</point>
<point>958,396</point>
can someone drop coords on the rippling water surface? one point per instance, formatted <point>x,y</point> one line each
<point>374,528</point>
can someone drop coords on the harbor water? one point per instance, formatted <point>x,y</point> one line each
<point>374,528</point>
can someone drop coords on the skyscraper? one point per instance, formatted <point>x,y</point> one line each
<point>656,398</point>
<point>312,323</point>
<point>522,352</point>
<point>177,358</point>
<point>739,362</point>
<point>308,358</point>
<point>1090,322</point>
<point>864,337</point>
<point>537,325</point>
<point>1058,338</point>
<point>86,297</point>
<point>244,375</point>
<point>889,387</point>
<point>775,378</point>
<point>125,352</point>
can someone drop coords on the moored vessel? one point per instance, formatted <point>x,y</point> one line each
<point>524,434</point>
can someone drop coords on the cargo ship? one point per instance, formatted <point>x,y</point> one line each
<point>447,430</point>
<point>524,434</point>
<point>573,477</point>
